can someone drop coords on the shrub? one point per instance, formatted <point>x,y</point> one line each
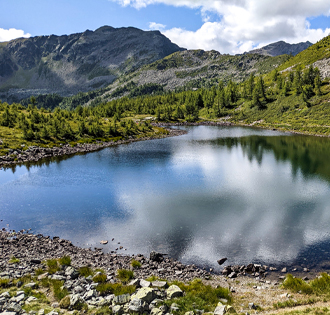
<point>39,271</point>
<point>125,275</point>
<point>65,302</point>
<point>4,283</point>
<point>52,266</point>
<point>100,278</point>
<point>115,288</point>
<point>59,291</point>
<point>85,271</point>
<point>321,285</point>
<point>199,296</point>
<point>135,264</point>
<point>65,261</point>
<point>297,285</point>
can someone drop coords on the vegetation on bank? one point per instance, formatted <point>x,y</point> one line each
<point>22,127</point>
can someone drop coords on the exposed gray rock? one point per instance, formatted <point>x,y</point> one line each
<point>122,299</point>
<point>138,306</point>
<point>173,291</point>
<point>145,294</point>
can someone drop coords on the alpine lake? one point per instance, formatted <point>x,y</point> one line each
<point>250,195</point>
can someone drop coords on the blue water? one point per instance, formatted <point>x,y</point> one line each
<point>247,194</point>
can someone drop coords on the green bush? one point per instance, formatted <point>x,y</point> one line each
<point>199,296</point>
<point>125,275</point>
<point>115,288</point>
<point>65,261</point>
<point>4,283</point>
<point>58,290</point>
<point>135,264</point>
<point>321,285</point>
<point>52,266</point>
<point>65,302</point>
<point>85,271</point>
<point>100,278</point>
<point>297,285</point>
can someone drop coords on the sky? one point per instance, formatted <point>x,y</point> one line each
<point>228,26</point>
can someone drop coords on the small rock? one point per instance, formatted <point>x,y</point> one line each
<point>222,261</point>
<point>284,270</point>
<point>145,283</point>
<point>173,291</point>
<point>122,299</point>
<point>252,306</point>
<point>159,284</point>
<point>306,270</point>
<point>104,242</point>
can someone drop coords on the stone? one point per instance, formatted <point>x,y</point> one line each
<point>154,256</point>
<point>174,307</point>
<point>230,309</point>
<point>118,310</point>
<point>220,309</point>
<point>71,273</point>
<point>156,311</point>
<point>103,242</point>
<point>89,294</point>
<point>135,282</point>
<point>138,306</point>
<point>31,299</point>
<point>284,270</point>
<point>252,306</point>
<point>13,307</point>
<point>232,275</point>
<point>122,299</point>
<point>145,294</point>
<point>8,313</point>
<point>173,291</point>
<point>41,312</point>
<point>221,261</point>
<point>159,284</point>
<point>75,299</point>
<point>35,261</point>
<point>144,283</point>
<point>52,313</point>
<point>43,276</point>
<point>31,285</point>
<point>189,313</point>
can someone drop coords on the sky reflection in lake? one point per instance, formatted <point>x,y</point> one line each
<point>249,195</point>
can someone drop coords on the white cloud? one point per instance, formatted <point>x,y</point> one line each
<point>156,26</point>
<point>12,33</point>
<point>245,24</point>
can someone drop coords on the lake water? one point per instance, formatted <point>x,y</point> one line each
<point>247,194</point>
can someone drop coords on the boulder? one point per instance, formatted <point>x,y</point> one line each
<point>145,283</point>
<point>154,256</point>
<point>159,284</point>
<point>122,299</point>
<point>118,310</point>
<point>222,261</point>
<point>173,291</point>
<point>138,306</point>
<point>145,294</point>
<point>220,309</point>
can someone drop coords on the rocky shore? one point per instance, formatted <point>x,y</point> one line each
<point>35,153</point>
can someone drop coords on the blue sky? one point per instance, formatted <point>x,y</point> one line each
<point>229,26</point>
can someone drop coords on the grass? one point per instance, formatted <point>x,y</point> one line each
<point>125,275</point>
<point>100,278</point>
<point>199,296</point>
<point>115,288</point>
<point>14,260</point>
<point>52,266</point>
<point>65,261</point>
<point>297,285</point>
<point>4,283</point>
<point>135,264</point>
<point>59,291</point>
<point>85,271</point>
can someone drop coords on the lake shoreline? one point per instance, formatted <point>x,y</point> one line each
<point>35,153</point>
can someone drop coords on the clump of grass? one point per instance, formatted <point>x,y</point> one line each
<point>100,278</point>
<point>14,260</point>
<point>115,288</point>
<point>59,291</point>
<point>65,302</point>
<point>297,285</point>
<point>85,271</point>
<point>292,303</point>
<point>39,271</point>
<point>125,275</point>
<point>199,296</point>
<point>104,310</point>
<point>52,266</point>
<point>321,285</point>
<point>4,283</point>
<point>65,261</point>
<point>135,264</point>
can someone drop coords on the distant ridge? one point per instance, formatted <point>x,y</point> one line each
<point>281,48</point>
<point>70,64</point>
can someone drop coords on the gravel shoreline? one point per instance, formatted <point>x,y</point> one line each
<point>35,153</point>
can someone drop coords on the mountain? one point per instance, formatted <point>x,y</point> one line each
<point>84,61</point>
<point>281,48</point>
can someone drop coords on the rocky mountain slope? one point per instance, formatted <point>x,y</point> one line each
<point>193,69</point>
<point>281,48</point>
<point>79,62</point>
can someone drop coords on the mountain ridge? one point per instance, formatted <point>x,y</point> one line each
<point>69,64</point>
<point>281,48</point>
